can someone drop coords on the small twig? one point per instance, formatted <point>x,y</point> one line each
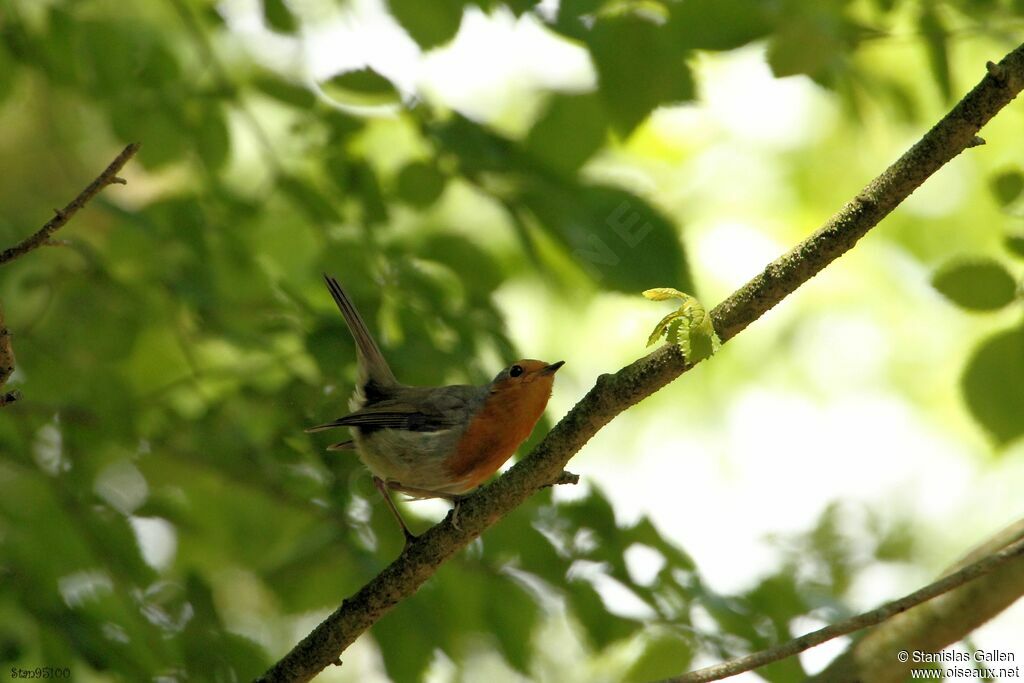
<point>566,477</point>
<point>43,238</point>
<point>61,216</point>
<point>996,71</point>
<point>6,359</point>
<point>856,623</point>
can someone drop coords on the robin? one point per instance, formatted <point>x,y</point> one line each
<point>434,442</point>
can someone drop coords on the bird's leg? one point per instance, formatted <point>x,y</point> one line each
<point>383,488</point>
<point>456,506</point>
<point>454,498</point>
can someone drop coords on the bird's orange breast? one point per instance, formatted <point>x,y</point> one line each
<point>493,435</point>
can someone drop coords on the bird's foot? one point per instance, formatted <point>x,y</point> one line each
<point>456,506</point>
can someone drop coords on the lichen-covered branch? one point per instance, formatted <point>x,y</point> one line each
<point>614,393</point>
<point>62,216</point>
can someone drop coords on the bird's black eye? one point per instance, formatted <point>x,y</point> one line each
<point>515,370</point>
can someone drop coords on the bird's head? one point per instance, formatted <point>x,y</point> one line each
<point>525,386</point>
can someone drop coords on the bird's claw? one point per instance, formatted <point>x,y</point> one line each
<point>456,505</point>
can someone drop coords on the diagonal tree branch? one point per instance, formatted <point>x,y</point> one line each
<point>614,393</point>
<point>62,216</point>
<point>937,623</point>
<point>888,662</point>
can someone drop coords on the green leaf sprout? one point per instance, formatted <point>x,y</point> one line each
<point>689,326</point>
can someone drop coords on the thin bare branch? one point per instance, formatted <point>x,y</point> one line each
<point>957,579</point>
<point>934,625</point>
<point>614,393</point>
<point>61,216</point>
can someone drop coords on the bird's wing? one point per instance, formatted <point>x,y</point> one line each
<point>416,409</point>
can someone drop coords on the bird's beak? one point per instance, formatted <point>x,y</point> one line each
<point>553,368</point>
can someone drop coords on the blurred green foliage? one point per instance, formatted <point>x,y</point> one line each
<point>994,374</point>
<point>170,356</point>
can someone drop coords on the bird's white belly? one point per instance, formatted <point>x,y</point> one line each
<point>412,459</point>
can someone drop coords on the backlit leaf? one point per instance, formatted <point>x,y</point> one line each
<point>429,23</point>
<point>1007,186</point>
<point>279,17</point>
<point>620,42</point>
<point>420,184</point>
<point>979,284</point>
<point>993,385</point>
<point>361,87</point>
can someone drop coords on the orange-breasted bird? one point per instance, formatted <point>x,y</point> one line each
<point>434,442</point>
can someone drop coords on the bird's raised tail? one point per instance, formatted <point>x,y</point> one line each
<point>372,366</point>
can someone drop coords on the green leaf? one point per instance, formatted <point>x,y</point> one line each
<point>57,53</point>
<point>419,184</point>
<point>211,14</point>
<point>689,326</point>
<point>478,150</point>
<point>639,67</point>
<point>212,652</point>
<point>342,126</point>
<point>339,171</point>
<point>512,620</point>
<point>405,641</point>
<point>935,41</point>
<point>518,7</point>
<point>664,656</point>
<point>116,539</point>
<point>317,568</point>
<point>1015,244</point>
<point>156,359</point>
<point>288,93</point>
<point>804,45</point>
<point>477,269</point>
<point>620,241</point>
<point>430,24</point>
<point>163,136</point>
<point>279,17</point>
<point>593,512</point>
<point>361,87</point>
<point>993,385</point>
<point>976,284</point>
<point>315,205</point>
<point>213,140</point>
<point>1007,186</point>
<point>719,24</point>
<point>156,64</point>
<point>571,129</point>
<point>111,53</point>
<point>8,73</point>
<point>601,627</point>
<point>571,13</point>
<point>366,184</point>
